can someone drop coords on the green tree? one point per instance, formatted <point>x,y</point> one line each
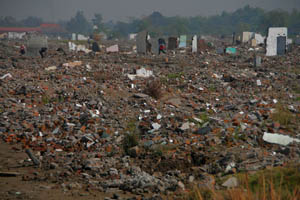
<point>98,21</point>
<point>9,21</point>
<point>32,21</point>
<point>79,24</point>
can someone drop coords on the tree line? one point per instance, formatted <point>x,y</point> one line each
<point>243,19</point>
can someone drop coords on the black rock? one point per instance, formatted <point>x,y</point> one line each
<point>203,131</point>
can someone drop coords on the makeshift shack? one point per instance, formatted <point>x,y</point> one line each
<point>172,43</point>
<point>141,42</point>
<point>277,41</point>
<point>247,36</point>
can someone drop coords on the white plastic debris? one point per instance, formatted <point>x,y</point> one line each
<point>140,117</point>
<point>275,101</point>
<point>156,126</point>
<point>229,167</point>
<point>258,82</point>
<point>82,48</point>
<point>158,117</point>
<point>185,126</point>
<point>72,46</point>
<point>94,114</point>
<point>51,68</point>
<point>89,144</point>
<point>88,67</point>
<point>243,126</point>
<point>292,108</point>
<point>71,124</point>
<point>217,76</point>
<point>279,139</point>
<point>198,120</point>
<point>6,75</point>
<point>131,76</point>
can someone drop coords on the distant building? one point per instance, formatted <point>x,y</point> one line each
<point>47,29</point>
<point>52,29</point>
<point>19,29</point>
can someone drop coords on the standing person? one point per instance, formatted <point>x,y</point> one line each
<point>22,49</point>
<point>148,44</point>
<point>162,45</point>
<point>43,51</point>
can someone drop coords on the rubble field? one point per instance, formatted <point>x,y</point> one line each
<point>128,126</point>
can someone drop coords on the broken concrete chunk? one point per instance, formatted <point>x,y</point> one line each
<point>144,73</point>
<point>52,68</point>
<point>140,95</point>
<point>203,131</point>
<point>174,102</point>
<point>231,182</point>
<point>279,139</point>
<point>112,49</point>
<point>73,64</point>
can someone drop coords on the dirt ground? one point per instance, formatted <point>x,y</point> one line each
<point>28,185</point>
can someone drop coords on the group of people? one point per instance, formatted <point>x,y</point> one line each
<point>42,51</point>
<point>161,46</point>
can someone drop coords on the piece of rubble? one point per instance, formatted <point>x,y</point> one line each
<point>231,182</point>
<point>279,139</point>
<point>32,157</point>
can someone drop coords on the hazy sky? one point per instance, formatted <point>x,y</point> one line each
<point>53,10</point>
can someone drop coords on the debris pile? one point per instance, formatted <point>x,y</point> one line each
<point>88,121</point>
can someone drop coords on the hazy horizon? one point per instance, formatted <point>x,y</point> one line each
<point>55,10</point>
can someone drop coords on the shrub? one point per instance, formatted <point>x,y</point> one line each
<point>154,89</point>
<point>282,115</point>
<point>130,140</point>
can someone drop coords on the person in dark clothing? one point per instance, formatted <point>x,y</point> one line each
<point>61,50</point>
<point>43,51</point>
<point>162,45</point>
<point>22,49</point>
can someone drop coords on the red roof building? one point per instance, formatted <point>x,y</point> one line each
<point>43,28</point>
<point>19,30</point>
<point>52,28</point>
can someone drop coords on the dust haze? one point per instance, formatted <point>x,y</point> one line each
<point>55,10</point>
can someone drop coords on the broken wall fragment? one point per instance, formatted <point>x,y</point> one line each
<point>182,41</point>
<point>141,42</point>
<point>35,43</point>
